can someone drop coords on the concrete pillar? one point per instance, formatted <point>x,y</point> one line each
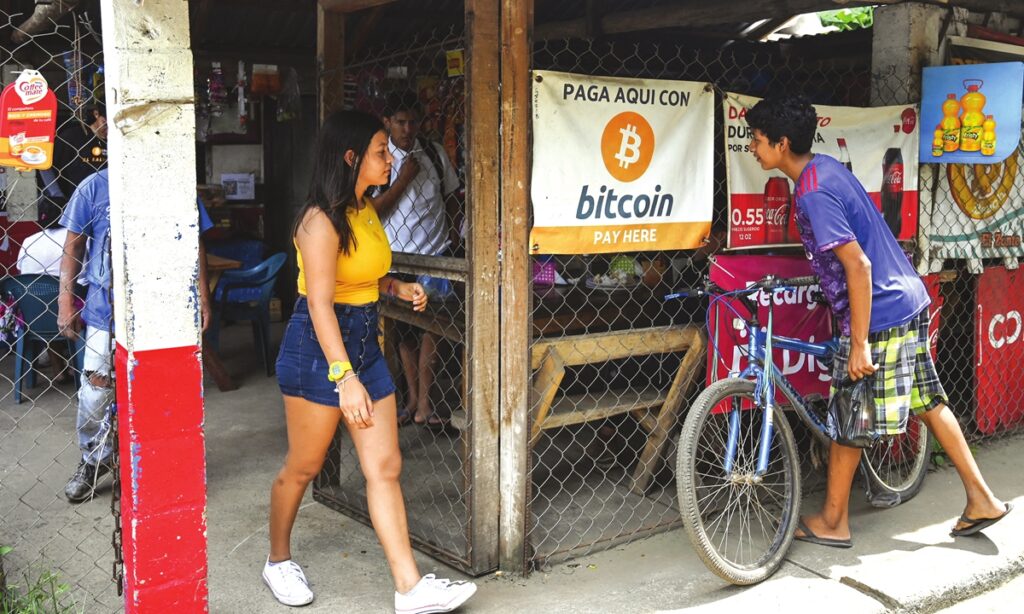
<point>154,246</point>
<point>905,39</point>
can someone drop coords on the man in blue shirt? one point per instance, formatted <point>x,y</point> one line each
<point>87,219</point>
<point>882,309</point>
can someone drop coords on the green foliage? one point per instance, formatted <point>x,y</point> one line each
<point>848,19</point>
<point>45,594</point>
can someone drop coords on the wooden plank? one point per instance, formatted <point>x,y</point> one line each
<point>483,333</point>
<point>580,408</point>
<point>350,6</point>
<point>600,347</point>
<point>689,15</point>
<point>669,414</point>
<point>545,387</point>
<point>433,322</point>
<point>516,48</point>
<point>438,266</point>
<point>330,60</point>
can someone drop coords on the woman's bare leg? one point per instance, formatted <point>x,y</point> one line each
<point>310,429</point>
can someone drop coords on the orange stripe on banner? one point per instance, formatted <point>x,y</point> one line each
<point>615,239</point>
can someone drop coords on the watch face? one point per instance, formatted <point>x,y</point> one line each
<point>335,369</point>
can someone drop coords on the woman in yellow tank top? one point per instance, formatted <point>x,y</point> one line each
<point>331,367</point>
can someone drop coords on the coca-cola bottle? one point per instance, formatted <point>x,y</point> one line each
<point>776,210</point>
<point>844,155</point>
<point>892,189</point>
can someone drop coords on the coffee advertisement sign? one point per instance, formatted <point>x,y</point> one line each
<point>620,165</point>
<point>879,145</point>
<point>28,121</point>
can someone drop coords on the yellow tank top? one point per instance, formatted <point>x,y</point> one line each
<point>358,272</point>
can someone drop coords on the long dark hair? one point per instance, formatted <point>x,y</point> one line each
<point>333,186</point>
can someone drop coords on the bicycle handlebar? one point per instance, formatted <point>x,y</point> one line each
<point>767,283</point>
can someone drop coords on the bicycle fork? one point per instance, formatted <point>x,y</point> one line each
<point>759,350</point>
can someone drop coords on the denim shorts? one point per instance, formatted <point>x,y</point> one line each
<point>302,366</point>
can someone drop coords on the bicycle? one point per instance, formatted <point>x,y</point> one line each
<point>737,469</point>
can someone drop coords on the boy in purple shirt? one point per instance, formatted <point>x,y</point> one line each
<point>882,309</point>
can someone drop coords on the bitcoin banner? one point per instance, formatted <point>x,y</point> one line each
<point>878,144</point>
<point>620,165</point>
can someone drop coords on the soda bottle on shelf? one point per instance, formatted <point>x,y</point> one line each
<point>892,190</point>
<point>950,124</point>
<point>844,155</point>
<point>972,120</point>
<point>776,210</point>
<point>937,149</point>
<point>988,136</point>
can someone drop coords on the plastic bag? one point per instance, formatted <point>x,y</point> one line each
<point>851,413</point>
<point>437,288</point>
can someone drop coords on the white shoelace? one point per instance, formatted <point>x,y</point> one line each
<point>440,583</point>
<point>290,569</point>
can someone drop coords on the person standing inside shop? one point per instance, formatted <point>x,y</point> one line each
<point>330,367</point>
<point>87,220</point>
<point>881,306</point>
<point>79,150</point>
<point>422,215</point>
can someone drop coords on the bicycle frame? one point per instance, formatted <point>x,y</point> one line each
<point>765,386</point>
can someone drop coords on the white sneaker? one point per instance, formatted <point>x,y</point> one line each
<point>287,582</point>
<point>433,594</point>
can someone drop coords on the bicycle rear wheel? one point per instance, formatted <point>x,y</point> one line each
<point>895,467</point>
<point>741,525</point>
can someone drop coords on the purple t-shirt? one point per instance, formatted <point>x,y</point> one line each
<point>832,209</point>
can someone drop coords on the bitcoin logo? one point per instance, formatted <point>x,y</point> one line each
<point>629,149</point>
<point>627,146</point>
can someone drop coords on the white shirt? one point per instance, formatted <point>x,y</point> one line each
<point>417,224</point>
<point>41,253</point>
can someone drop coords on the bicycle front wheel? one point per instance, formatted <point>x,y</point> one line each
<point>740,524</point>
<point>896,466</point>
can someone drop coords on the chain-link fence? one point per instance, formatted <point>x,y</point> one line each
<point>57,436</point>
<point>606,369</point>
<point>418,87</point>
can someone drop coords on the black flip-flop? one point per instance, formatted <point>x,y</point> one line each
<point>405,416</point>
<point>975,526</point>
<point>811,538</point>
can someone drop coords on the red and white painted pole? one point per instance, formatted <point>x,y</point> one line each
<point>154,245</point>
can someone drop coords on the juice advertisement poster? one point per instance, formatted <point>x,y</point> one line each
<point>28,121</point>
<point>971,114</point>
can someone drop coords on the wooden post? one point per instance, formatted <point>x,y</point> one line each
<point>516,26</point>
<point>482,325</point>
<point>330,58</point>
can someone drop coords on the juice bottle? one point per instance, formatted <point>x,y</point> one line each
<point>972,119</point>
<point>937,142</point>
<point>988,136</point>
<point>950,124</point>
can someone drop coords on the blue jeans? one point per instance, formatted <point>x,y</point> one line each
<point>302,366</point>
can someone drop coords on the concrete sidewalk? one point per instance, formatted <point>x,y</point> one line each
<point>902,559</point>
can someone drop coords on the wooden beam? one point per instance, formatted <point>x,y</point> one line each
<point>691,15</point>
<point>516,46</point>
<point>330,60</point>
<point>350,6</point>
<point>482,349</point>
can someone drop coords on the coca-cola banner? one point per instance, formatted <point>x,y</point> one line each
<point>795,316</point>
<point>999,343</point>
<point>620,165</point>
<point>879,144</point>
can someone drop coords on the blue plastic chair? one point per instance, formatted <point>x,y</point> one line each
<point>244,294</point>
<point>36,298</point>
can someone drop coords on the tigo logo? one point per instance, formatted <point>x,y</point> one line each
<point>627,146</point>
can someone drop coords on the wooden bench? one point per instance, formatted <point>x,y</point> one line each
<point>550,357</point>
